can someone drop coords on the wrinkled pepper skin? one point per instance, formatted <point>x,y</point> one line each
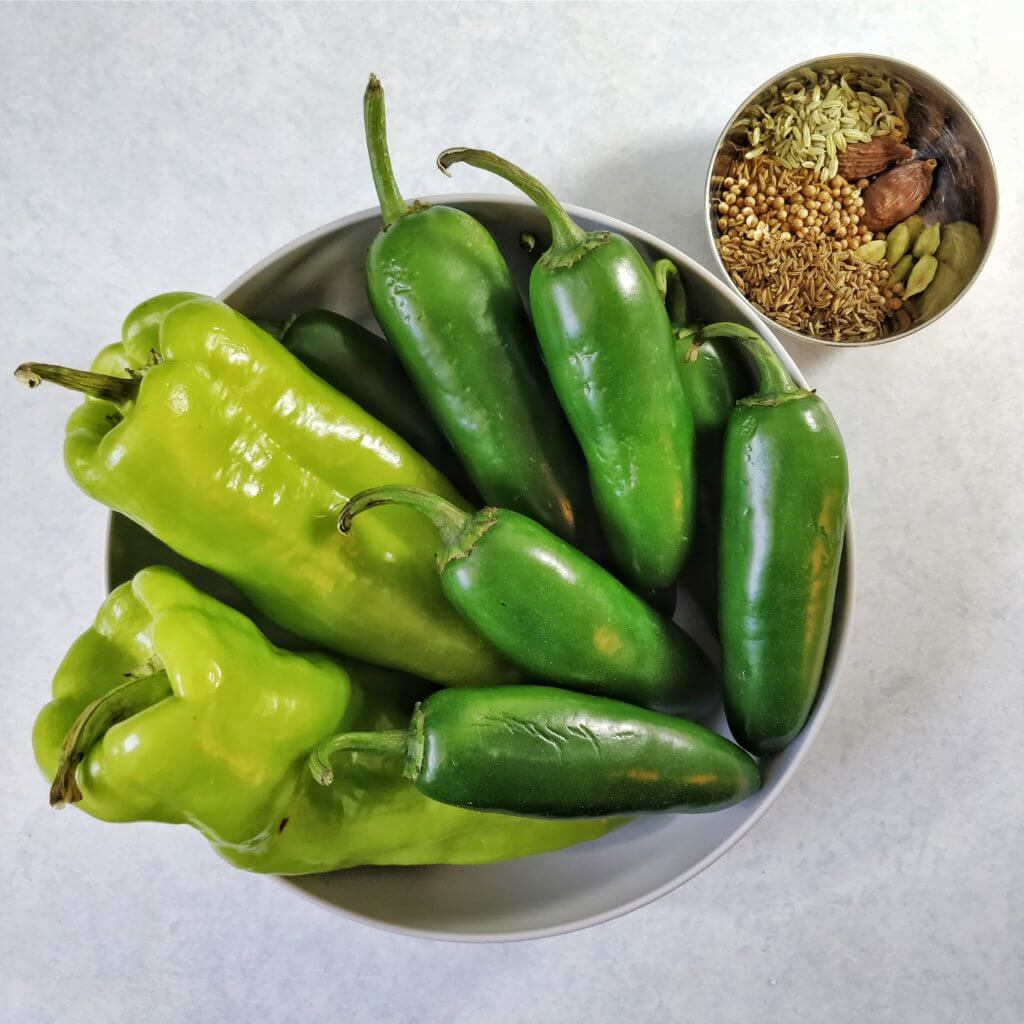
<point>607,344</point>
<point>551,610</point>
<point>233,454</point>
<point>784,502</point>
<point>443,294</point>
<point>363,366</point>
<point>549,753</point>
<point>225,746</point>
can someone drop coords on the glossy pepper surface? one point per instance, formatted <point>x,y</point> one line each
<point>551,610</point>
<point>540,751</point>
<point>443,294</point>
<point>784,501</point>
<point>226,448</point>
<point>364,366</point>
<point>175,708</point>
<point>607,343</point>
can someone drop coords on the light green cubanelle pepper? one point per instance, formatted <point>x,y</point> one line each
<point>173,707</point>
<point>211,435</point>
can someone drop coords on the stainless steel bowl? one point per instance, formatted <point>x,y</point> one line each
<point>966,175</point>
<point>555,892</point>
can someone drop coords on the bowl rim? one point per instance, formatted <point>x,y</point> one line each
<point>941,88</point>
<point>842,626</point>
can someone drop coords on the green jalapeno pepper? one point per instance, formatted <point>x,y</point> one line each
<point>551,610</point>
<point>784,498</point>
<point>364,366</point>
<point>542,752</point>
<point>713,376</point>
<point>607,342</point>
<point>444,296</point>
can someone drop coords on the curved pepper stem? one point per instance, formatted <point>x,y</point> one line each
<point>775,378</point>
<point>131,697</point>
<point>119,390</point>
<point>392,205</point>
<point>670,286</point>
<point>449,521</point>
<point>390,743</point>
<point>565,232</point>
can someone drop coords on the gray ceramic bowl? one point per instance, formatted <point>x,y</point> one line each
<point>556,892</point>
<point>940,126</point>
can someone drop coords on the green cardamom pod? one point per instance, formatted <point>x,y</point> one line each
<point>921,276</point>
<point>914,226</point>
<point>927,242</point>
<point>945,287</point>
<point>897,242</point>
<point>901,269</point>
<point>870,252</point>
<point>960,248</point>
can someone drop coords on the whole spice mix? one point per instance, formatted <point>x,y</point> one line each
<point>817,213</point>
<point>810,119</point>
<point>789,242</point>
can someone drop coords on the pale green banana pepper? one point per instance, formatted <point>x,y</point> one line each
<point>173,707</point>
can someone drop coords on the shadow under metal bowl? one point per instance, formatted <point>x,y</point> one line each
<point>556,892</point>
<point>940,126</point>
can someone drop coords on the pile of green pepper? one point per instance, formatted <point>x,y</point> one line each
<point>336,477</point>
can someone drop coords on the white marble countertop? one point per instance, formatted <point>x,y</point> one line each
<point>152,147</point>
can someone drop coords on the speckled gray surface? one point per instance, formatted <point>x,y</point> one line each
<point>150,147</point>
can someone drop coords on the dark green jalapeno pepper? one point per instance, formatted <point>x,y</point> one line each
<point>444,296</point>
<point>553,611</point>
<point>784,497</point>
<point>364,367</point>
<point>542,752</point>
<point>713,376</point>
<point>607,343</point>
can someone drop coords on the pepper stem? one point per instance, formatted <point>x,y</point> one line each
<point>390,743</point>
<point>688,343</point>
<point>392,205</point>
<point>565,232</point>
<point>527,241</point>
<point>449,521</point>
<point>129,698</point>
<point>673,295</point>
<point>775,378</point>
<point>119,390</point>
